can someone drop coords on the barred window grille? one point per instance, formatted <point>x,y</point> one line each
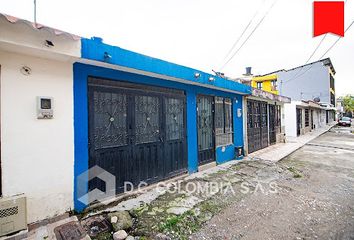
<point>223,121</point>
<point>307,119</point>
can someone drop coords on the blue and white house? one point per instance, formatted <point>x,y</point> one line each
<point>82,103</point>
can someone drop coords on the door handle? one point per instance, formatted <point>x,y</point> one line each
<point>161,139</point>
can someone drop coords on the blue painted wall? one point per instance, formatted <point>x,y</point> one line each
<point>226,155</point>
<point>94,50</point>
<point>192,141</point>
<point>80,129</point>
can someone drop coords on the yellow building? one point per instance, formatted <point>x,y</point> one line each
<point>266,83</point>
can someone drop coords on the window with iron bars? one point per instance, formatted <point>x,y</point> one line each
<point>223,121</point>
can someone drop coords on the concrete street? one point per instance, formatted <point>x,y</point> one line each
<point>307,195</point>
<point>317,202</point>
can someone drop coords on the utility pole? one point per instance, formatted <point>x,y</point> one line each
<point>35,12</point>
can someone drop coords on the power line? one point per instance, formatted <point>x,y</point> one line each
<point>339,38</point>
<point>249,36</point>
<point>318,46</point>
<point>313,53</point>
<point>336,41</point>
<point>243,32</point>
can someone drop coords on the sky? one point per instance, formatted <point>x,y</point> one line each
<point>200,33</point>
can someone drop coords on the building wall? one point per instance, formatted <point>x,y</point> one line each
<point>290,119</point>
<point>280,133</point>
<point>323,118</point>
<point>316,118</point>
<point>281,136</point>
<point>306,83</point>
<point>37,155</point>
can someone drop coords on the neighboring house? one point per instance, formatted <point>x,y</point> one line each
<point>68,104</point>
<point>174,118</point>
<point>268,83</point>
<point>302,117</point>
<point>264,119</point>
<point>37,155</point>
<point>313,81</point>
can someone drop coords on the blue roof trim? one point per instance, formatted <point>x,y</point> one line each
<point>95,49</point>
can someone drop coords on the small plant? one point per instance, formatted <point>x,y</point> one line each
<point>180,227</point>
<point>295,172</point>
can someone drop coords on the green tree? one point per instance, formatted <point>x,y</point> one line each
<point>348,103</point>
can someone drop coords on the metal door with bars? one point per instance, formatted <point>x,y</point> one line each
<point>137,133</point>
<point>257,125</point>
<point>272,124</point>
<point>298,121</point>
<point>206,132</point>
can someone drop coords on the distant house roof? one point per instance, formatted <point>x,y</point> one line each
<point>38,26</point>
<point>325,61</point>
<point>265,78</point>
<point>269,96</point>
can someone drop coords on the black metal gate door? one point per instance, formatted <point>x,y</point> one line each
<point>253,126</point>
<point>136,133</point>
<point>272,124</point>
<point>206,133</point>
<point>257,125</point>
<point>264,124</point>
<point>298,121</point>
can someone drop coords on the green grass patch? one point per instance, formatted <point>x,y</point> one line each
<point>180,227</point>
<point>236,167</point>
<point>296,173</point>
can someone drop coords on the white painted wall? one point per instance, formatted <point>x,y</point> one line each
<point>323,118</point>
<point>316,118</point>
<point>290,119</point>
<point>37,155</point>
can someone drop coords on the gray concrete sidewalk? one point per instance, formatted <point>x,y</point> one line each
<point>279,151</point>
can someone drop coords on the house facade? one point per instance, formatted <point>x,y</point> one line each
<point>306,116</point>
<point>264,120</point>
<point>69,104</point>
<point>313,81</point>
<point>37,155</point>
<point>174,119</point>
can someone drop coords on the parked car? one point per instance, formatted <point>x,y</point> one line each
<point>345,121</point>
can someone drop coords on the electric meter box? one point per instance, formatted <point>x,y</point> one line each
<point>44,107</point>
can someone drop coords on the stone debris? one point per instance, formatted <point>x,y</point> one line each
<point>114,219</point>
<point>96,225</point>
<point>161,236</point>
<point>121,220</point>
<point>120,235</point>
